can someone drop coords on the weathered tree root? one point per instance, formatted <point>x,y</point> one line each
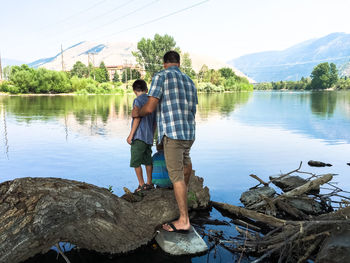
<point>286,233</point>
<point>37,213</point>
<point>274,228</point>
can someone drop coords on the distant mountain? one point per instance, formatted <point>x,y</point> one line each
<point>297,61</point>
<point>113,54</point>
<point>11,62</point>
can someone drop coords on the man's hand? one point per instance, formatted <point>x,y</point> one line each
<point>129,139</point>
<point>135,112</point>
<point>146,109</point>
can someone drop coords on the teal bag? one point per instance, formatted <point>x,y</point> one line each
<point>160,176</point>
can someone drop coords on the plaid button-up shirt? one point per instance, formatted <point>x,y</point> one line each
<point>176,109</point>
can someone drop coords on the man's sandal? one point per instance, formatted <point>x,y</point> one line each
<point>175,230</point>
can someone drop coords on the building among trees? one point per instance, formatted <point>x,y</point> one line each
<point>125,69</point>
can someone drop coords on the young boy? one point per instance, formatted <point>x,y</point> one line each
<point>141,138</point>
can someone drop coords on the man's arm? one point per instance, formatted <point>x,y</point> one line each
<point>147,109</point>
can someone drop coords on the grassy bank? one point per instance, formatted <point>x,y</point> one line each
<point>25,80</point>
<point>341,84</point>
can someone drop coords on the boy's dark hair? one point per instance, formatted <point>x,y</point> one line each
<point>171,57</point>
<point>139,85</point>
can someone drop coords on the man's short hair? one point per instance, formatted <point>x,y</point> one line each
<point>139,85</point>
<point>171,57</point>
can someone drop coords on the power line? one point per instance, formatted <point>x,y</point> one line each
<point>112,10</point>
<point>75,14</point>
<point>126,15</point>
<point>147,22</point>
<point>153,20</point>
<point>159,18</point>
<point>97,17</point>
<point>101,15</point>
<point>82,11</point>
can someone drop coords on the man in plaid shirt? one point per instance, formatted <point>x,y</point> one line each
<point>174,95</point>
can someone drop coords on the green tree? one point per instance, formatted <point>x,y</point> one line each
<point>49,81</point>
<point>135,74</point>
<point>126,75</point>
<point>151,51</point>
<point>23,77</point>
<point>186,65</point>
<point>129,74</point>
<point>90,69</point>
<point>333,74</point>
<point>227,73</point>
<point>98,74</point>
<point>202,73</point>
<point>147,77</point>
<point>6,72</point>
<point>104,71</point>
<point>80,70</point>
<point>116,77</point>
<point>29,80</point>
<point>215,77</point>
<point>321,76</point>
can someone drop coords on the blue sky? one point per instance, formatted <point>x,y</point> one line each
<point>220,28</point>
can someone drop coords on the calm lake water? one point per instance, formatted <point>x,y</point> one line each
<point>264,133</point>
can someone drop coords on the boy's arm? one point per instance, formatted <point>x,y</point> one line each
<point>134,127</point>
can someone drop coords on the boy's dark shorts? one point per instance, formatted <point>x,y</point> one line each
<point>141,153</point>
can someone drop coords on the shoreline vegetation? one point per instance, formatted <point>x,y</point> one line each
<point>26,80</point>
<point>82,79</point>
<point>323,77</point>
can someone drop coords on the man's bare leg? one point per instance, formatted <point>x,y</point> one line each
<point>180,191</point>
<point>187,173</point>
<point>149,169</point>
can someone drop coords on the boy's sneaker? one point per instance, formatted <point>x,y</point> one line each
<point>138,189</point>
<point>147,187</point>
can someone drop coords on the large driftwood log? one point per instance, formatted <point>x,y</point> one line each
<point>312,184</point>
<point>240,211</point>
<point>37,213</point>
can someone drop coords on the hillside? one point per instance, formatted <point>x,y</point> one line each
<point>297,61</point>
<point>110,53</point>
<point>113,54</point>
<point>11,62</point>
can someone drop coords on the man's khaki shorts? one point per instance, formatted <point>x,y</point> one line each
<point>177,156</point>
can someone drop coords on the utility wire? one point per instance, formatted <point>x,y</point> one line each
<point>112,10</point>
<point>159,18</point>
<point>99,16</point>
<point>153,20</point>
<point>83,11</point>
<point>119,18</point>
<point>75,14</point>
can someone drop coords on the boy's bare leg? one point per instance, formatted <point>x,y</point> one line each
<point>139,175</point>
<point>149,169</point>
<point>187,173</point>
<point>180,191</point>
